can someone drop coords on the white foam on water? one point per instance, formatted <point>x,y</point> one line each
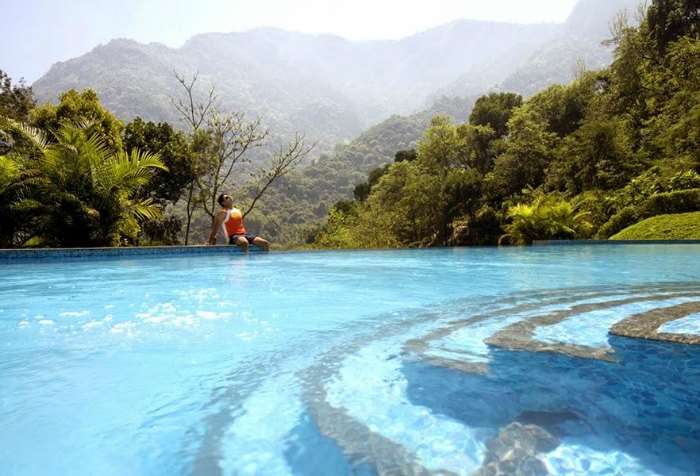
<point>371,388</point>
<point>591,328</point>
<point>687,325</point>
<point>74,313</point>
<point>571,459</point>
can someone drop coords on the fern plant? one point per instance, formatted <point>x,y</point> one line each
<point>547,217</point>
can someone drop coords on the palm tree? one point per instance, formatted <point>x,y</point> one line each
<point>88,190</point>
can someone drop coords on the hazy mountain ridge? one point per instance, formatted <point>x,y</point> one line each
<point>577,43</point>
<point>326,86</point>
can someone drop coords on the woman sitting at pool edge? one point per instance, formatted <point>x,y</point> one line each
<point>230,221</point>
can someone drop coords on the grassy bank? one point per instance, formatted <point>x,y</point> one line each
<point>681,226</point>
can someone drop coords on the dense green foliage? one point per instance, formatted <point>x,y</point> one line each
<point>547,217</point>
<point>66,178</point>
<point>613,147</point>
<point>681,226</point>
<point>174,150</point>
<point>73,191</point>
<point>16,100</point>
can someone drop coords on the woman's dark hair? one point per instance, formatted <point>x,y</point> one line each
<point>221,199</point>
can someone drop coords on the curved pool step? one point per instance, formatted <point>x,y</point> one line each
<point>368,414</point>
<point>652,324</point>
<point>371,417</point>
<point>464,344</point>
<point>523,335</point>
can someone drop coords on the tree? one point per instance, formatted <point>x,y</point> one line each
<point>528,152</point>
<point>283,161</point>
<point>15,210</point>
<point>442,147</point>
<point>84,110</point>
<point>224,142</point>
<point>668,20</point>
<point>495,111</point>
<point>16,101</point>
<point>87,192</point>
<point>174,151</point>
<point>476,147</point>
<point>194,113</point>
<point>232,137</point>
<point>406,155</point>
<point>596,156</point>
<point>362,190</point>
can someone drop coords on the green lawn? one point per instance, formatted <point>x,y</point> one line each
<point>681,226</point>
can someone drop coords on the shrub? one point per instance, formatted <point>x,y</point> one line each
<point>681,201</point>
<point>673,202</point>
<point>679,226</point>
<point>547,217</point>
<point>481,228</point>
<point>626,217</point>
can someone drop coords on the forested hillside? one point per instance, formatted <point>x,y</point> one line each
<point>612,148</point>
<point>298,202</point>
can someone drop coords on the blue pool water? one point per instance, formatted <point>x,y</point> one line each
<point>333,363</point>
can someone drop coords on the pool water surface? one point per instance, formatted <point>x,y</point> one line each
<point>452,361</point>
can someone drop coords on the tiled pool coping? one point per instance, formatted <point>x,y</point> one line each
<point>49,253</point>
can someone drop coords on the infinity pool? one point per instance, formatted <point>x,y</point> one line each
<point>460,361</point>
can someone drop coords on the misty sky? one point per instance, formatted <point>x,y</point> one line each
<point>37,33</point>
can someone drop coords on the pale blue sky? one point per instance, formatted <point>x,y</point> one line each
<point>37,33</point>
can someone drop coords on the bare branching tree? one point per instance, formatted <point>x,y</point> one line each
<point>623,21</point>
<point>224,142</point>
<point>232,137</point>
<point>282,163</point>
<point>618,28</point>
<point>194,113</point>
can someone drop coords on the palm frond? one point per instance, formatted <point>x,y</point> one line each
<point>144,210</point>
<point>131,171</point>
<point>35,136</point>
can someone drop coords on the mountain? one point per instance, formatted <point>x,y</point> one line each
<point>577,44</point>
<point>332,89</point>
<point>580,44</point>
<point>326,86</point>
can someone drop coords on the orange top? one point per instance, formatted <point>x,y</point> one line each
<point>233,225</point>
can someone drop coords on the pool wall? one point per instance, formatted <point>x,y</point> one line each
<point>49,253</point>
<point>61,253</point>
